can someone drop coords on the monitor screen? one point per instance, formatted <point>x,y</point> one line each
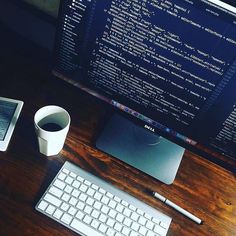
<point>169,64</point>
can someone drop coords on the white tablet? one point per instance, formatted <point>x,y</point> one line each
<point>9,112</point>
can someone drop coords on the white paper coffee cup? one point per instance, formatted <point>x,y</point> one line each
<point>51,126</point>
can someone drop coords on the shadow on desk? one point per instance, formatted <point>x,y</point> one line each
<point>52,169</point>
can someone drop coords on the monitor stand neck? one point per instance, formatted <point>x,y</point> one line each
<point>138,147</point>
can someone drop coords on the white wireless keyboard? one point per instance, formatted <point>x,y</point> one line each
<point>90,206</point>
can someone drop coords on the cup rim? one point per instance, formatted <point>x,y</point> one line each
<point>47,107</point>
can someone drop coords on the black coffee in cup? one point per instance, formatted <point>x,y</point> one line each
<point>52,127</point>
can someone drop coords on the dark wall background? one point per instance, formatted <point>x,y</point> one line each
<point>30,21</point>
<point>48,6</point>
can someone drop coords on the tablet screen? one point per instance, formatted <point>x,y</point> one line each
<point>7,110</point>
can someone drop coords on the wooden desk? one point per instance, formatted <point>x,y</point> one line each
<point>201,187</point>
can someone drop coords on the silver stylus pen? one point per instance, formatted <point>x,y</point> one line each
<point>177,208</point>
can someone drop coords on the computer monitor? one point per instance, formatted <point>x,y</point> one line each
<point>169,66</point>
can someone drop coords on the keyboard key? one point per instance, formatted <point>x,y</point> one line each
<point>97,205</point>
<point>142,220</point>
<point>66,218</point>
<point>132,208</point>
<point>112,213</point>
<point>61,176</point>
<point>149,225</point>
<point>98,196</point>
<point>80,227</point>
<point>120,217</point>
<point>80,205</point>
<point>118,234</point>
<point>105,209</point>
<point>53,200</point>
<point>109,195</point>
<point>102,228</point>
<point>134,234</point>
<point>159,230</point>
<point>58,183</point>
<point>55,191</point>
<point>65,206</point>
<point>80,179</point>
<point>42,205</point>
<point>142,230</point>
<point>118,227</point>
<point>75,193</point>
<point>110,232</point>
<point>102,191</point>
<point>69,180</point>
<point>125,231</point>
<point>105,200</point>
<point>119,208</point>
<point>147,216</point>
<point>73,175</point>
<point>117,199</point>
<point>65,197</point>
<point>134,216</point>
<point>50,209</point>
<point>163,225</point>
<point>95,214</point>
<point>135,226</point>
<point>83,188</point>
<point>72,211</point>
<point>87,219</point>
<point>58,213</point>
<point>102,218</point>
<point>80,215</point>
<point>68,189</point>
<point>88,210</point>
<point>127,212</point>
<point>140,212</point>
<point>73,201</point>
<point>82,197</point>
<point>95,224</point>
<point>150,233</point>
<point>110,222</point>
<point>76,184</point>
<point>94,186</point>
<point>65,171</point>
<point>127,222</point>
<point>124,203</point>
<point>87,182</point>
<point>90,192</point>
<point>156,221</point>
<point>90,201</point>
<point>112,204</point>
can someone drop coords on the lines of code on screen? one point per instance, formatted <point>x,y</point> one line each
<point>174,61</point>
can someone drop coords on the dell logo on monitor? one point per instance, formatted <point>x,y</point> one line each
<point>149,128</point>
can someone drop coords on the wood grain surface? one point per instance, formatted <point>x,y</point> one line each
<point>201,187</point>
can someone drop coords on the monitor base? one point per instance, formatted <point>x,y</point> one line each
<point>138,147</point>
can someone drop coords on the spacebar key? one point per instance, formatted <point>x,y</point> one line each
<point>84,229</point>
